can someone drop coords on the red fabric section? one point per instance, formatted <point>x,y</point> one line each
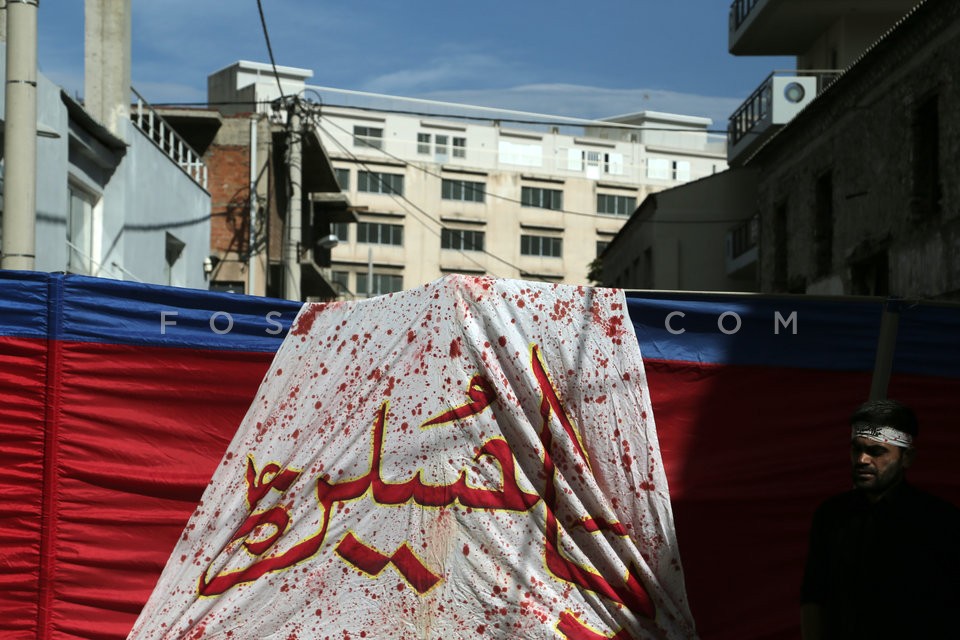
<point>749,453</point>
<point>140,433</point>
<point>23,390</point>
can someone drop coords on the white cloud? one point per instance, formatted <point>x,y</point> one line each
<point>443,71</point>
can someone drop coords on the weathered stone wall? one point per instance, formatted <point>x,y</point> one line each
<point>862,130</point>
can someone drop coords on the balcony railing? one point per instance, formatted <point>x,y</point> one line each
<point>758,107</point>
<point>169,141</point>
<point>739,11</point>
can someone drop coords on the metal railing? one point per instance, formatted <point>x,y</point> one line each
<point>739,11</point>
<point>756,108</point>
<point>168,140</point>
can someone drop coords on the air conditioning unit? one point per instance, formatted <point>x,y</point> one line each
<point>789,95</point>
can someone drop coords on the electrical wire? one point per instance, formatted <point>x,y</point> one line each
<point>400,197</point>
<point>266,36</point>
<point>427,171</point>
<point>597,124</point>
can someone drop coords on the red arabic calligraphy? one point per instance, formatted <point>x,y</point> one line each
<point>627,591</point>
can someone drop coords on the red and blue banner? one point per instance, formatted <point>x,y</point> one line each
<point>119,400</point>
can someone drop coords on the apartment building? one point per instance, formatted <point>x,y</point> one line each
<point>440,188</point>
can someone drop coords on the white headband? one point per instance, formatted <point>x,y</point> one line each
<point>879,433</point>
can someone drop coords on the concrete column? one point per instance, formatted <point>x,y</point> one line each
<point>20,138</point>
<point>107,51</point>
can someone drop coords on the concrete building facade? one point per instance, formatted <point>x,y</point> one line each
<point>440,188</point>
<point>701,236</point>
<point>114,203</point>
<point>856,193</point>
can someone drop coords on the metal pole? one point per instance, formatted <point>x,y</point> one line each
<point>294,231</point>
<point>369,272</point>
<point>252,263</point>
<point>886,345</point>
<point>20,138</point>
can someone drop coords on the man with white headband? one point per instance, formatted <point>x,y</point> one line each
<point>884,558</point>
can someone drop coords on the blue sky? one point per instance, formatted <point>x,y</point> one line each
<point>584,59</point>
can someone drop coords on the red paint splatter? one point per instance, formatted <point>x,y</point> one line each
<point>455,351</point>
<point>306,319</point>
<point>502,340</point>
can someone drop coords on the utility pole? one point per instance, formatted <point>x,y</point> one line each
<point>20,138</point>
<point>252,250</point>
<point>294,233</point>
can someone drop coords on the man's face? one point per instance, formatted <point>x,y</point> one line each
<point>877,466</point>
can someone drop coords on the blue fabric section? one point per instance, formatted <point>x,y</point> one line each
<point>829,334</point>
<point>928,340</point>
<point>99,310</point>
<point>784,331</point>
<point>23,304</point>
<point>117,312</point>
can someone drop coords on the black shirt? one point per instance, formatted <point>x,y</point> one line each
<point>885,570</point>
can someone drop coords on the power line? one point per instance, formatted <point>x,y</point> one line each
<point>404,199</point>
<point>266,36</point>
<point>598,124</point>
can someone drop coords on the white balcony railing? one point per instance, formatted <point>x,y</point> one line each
<point>169,141</point>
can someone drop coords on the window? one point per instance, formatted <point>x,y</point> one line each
<point>367,137</point>
<point>461,239</point>
<point>343,178</point>
<point>541,246</point>
<point>602,246</point>
<point>780,257</point>
<point>459,147</point>
<point>871,276</point>
<point>648,268</point>
<point>175,267</point>
<point>382,283</point>
<point>462,190</point>
<point>658,168</point>
<point>340,281</point>
<point>227,286</point>
<point>374,182</point>
<point>379,233</point>
<point>440,145</point>
<point>823,225</point>
<point>423,143</point>
<point>926,159</point>
<point>542,198</point>
<point>80,232</point>
<point>615,205</point>
<point>341,230</point>
<point>664,169</point>
<point>527,155</point>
